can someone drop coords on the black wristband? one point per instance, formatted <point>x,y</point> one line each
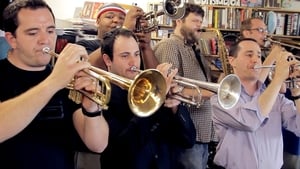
<point>91,114</point>
<point>296,97</point>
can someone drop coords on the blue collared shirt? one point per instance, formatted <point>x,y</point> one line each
<point>248,140</point>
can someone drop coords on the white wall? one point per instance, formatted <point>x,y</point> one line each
<point>64,9</point>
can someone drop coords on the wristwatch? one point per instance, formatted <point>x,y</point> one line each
<point>296,97</point>
<point>91,114</point>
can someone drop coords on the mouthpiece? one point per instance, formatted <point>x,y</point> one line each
<point>200,30</point>
<point>46,50</point>
<point>262,67</point>
<point>135,69</point>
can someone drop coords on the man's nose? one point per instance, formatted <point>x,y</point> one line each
<point>116,19</point>
<point>43,38</point>
<point>255,59</point>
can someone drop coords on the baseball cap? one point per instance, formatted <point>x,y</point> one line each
<point>110,7</point>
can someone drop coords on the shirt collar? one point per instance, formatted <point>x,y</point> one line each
<point>182,39</point>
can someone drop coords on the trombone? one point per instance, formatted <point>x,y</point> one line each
<point>146,92</point>
<point>269,41</point>
<point>228,90</point>
<point>282,44</point>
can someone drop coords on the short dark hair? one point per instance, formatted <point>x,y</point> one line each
<point>10,13</point>
<point>191,8</point>
<point>3,5</point>
<point>234,49</point>
<point>109,38</point>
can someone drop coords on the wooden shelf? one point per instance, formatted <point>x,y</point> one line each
<point>275,10</point>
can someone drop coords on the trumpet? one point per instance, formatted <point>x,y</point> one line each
<point>174,9</point>
<point>290,82</point>
<point>146,92</point>
<point>228,90</point>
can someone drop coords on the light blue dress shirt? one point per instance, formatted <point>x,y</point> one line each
<point>248,140</point>
<point>4,46</point>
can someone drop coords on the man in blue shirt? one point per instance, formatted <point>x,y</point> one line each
<point>250,133</point>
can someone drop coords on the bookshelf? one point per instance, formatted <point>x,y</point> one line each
<point>164,23</point>
<point>226,16</point>
<point>228,19</point>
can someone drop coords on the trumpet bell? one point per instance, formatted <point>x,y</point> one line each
<point>229,91</point>
<point>147,93</point>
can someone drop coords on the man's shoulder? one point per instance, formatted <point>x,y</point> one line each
<point>90,45</point>
<point>85,42</point>
<point>172,39</point>
<point>168,42</point>
<point>3,63</point>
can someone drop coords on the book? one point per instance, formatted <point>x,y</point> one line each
<point>280,24</point>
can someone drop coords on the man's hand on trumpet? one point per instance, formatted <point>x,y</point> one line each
<point>294,75</point>
<point>68,63</point>
<point>69,72</point>
<point>85,82</point>
<point>284,63</point>
<point>171,102</point>
<point>169,74</point>
<point>132,16</point>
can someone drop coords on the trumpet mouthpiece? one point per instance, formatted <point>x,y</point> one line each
<point>256,67</point>
<point>46,50</point>
<point>134,68</point>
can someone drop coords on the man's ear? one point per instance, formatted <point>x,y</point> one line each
<point>107,61</point>
<point>178,21</point>
<point>11,39</point>
<point>246,33</point>
<point>231,61</point>
<point>98,21</point>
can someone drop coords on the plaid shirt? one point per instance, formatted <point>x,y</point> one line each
<point>174,50</point>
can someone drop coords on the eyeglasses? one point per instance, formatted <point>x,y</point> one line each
<point>260,30</point>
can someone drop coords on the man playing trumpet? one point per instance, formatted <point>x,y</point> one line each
<point>254,124</point>
<point>141,142</point>
<point>38,122</point>
<point>255,28</point>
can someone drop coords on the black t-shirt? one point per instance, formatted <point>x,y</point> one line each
<point>90,45</point>
<point>144,142</point>
<point>48,141</point>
